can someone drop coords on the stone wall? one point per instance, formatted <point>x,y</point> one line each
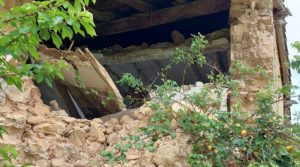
<point>47,137</point>
<point>253,42</point>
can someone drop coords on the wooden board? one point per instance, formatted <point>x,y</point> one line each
<point>93,78</point>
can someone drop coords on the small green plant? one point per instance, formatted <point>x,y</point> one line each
<point>8,153</point>
<point>220,138</point>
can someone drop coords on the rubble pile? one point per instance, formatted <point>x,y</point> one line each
<point>46,136</point>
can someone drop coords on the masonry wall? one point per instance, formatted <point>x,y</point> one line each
<point>253,42</point>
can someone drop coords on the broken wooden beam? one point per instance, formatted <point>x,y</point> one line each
<point>217,42</point>
<point>163,16</point>
<point>137,4</point>
<point>86,82</point>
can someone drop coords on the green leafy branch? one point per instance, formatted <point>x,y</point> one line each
<point>32,24</point>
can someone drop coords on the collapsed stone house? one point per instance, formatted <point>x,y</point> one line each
<point>139,37</point>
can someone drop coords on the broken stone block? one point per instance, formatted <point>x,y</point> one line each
<point>36,146</point>
<point>77,137</point>
<point>46,128</point>
<point>117,128</point>
<point>40,109</point>
<point>96,133</point>
<point>109,130</point>
<point>34,120</point>
<point>54,105</point>
<point>15,119</point>
<point>126,120</point>
<point>112,138</point>
<point>133,125</point>
<point>167,155</point>
<point>15,95</point>
<point>132,155</point>
<point>98,120</point>
<point>13,136</point>
<point>113,121</point>
<point>94,148</point>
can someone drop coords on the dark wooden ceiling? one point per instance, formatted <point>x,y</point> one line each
<point>118,16</point>
<point>107,10</point>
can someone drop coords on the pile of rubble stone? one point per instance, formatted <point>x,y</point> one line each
<point>46,136</point>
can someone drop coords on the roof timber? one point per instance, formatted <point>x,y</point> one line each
<point>161,52</point>
<point>163,16</point>
<point>217,42</point>
<point>137,4</point>
<point>104,16</point>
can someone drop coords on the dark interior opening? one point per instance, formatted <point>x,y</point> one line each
<point>147,70</point>
<point>203,24</point>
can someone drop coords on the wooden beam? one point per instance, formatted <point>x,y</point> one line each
<point>218,41</point>
<point>137,4</point>
<point>155,53</point>
<point>104,16</point>
<point>163,16</point>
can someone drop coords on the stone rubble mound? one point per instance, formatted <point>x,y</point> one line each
<point>48,137</point>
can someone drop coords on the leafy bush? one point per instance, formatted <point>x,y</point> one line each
<point>219,137</point>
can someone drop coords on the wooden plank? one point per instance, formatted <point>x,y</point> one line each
<point>163,16</point>
<point>153,53</point>
<point>137,4</point>
<point>92,77</point>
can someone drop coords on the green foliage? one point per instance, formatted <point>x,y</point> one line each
<point>132,82</point>
<point>119,155</point>
<point>194,55</point>
<point>295,64</point>
<point>219,138</point>
<point>32,24</point>
<point>8,153</point>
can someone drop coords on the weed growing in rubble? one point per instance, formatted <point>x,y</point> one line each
<point>8,153</point>
<point>219,136</point>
